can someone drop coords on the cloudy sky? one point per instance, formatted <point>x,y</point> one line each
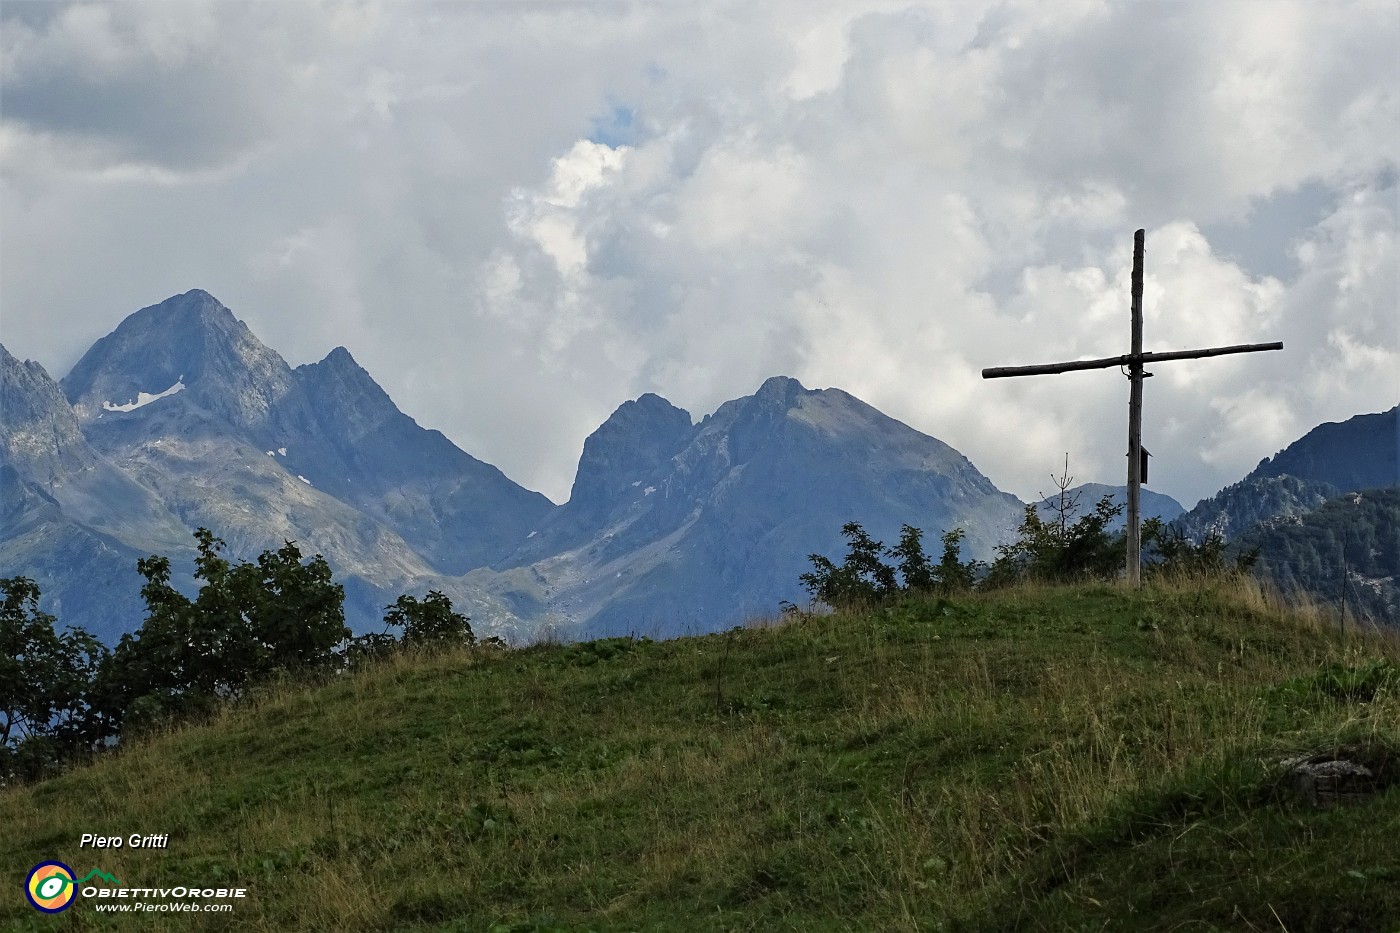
<point>518,215</point>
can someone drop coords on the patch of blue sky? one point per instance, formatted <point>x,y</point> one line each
<point>615,128</point>
<point>1262,241</point>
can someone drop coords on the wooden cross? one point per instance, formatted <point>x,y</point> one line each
<point>1134,361</point>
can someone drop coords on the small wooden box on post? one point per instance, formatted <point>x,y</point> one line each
<point>1134,362</point>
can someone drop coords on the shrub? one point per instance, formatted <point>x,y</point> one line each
<point>1169,552</point>
<point>247,622</point>
<point>45,682</point>
<point>864,579</point>
<point>429,622</point>
<point>1059,550</point>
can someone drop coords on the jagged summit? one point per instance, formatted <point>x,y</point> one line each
<point>1360,453</point>
<point>194,301</point>
<point>46,457</point>
<point>181,418</point>
<point>340,356</point>
<point>674,526</point>
<point>338,381</point>
<point>189,343</point>
<point>783,389</point>
<point>636,438</point>
<point>194,308</point>
<point>39,434</point>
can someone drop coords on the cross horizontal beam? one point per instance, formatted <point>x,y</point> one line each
<point>1128,359</point>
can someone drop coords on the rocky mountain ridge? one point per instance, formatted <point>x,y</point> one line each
<point>1331,459</point>
<point>676,527</point>
<point>1087,495</point>
<point>181,418</point>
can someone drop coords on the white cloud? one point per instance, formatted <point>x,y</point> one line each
<point>549,218</point>
<point>882,196</point>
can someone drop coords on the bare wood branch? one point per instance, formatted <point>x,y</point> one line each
<point>997,372</point>
<point>1148,358</point>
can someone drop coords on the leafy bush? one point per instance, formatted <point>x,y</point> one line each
<point>429,622</point>
<point>45,678</point>
<point>248,622</point>
<point>1167,550</point>
<point>864,579</point>
<point>372,646</point>
<point>1059,550</point>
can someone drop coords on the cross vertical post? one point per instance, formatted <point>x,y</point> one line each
<point>1135,377</point>
<point>1135,361</point>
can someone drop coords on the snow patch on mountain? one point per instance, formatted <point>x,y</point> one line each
<point>145,398</point>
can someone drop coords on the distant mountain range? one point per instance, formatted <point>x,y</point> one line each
<point>673,527</point>
<point>1322,513</point>
<point>181,418</point>
<point>1333,458</point>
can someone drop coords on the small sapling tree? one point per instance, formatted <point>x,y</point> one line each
<point>1064,548</point>
<point>1061,553</point>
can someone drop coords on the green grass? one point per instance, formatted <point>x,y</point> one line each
<point>1035,759</point>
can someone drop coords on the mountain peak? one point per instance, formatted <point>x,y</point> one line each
<point>1359,453</point>
<point>340,357</point>
<point>39,433</point>
<point>342,365</point>
<point>637,437</point>
<point>195,303</point>
<point>339,376</point>
<point>782,390</point>
<point>190,339</point>
<point>197,296</point>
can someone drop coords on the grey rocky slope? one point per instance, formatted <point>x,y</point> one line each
<point>181,415</point>
<point>674,528</point>
<point>88,578</point>
<point>41,439</point>
<point>69,517</point>
<point>1332,458</point>
<point>342,432</point>
<point>1360,453</point>
<point>327,425</point>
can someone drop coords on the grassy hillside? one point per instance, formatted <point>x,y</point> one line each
<point>1033,759</point>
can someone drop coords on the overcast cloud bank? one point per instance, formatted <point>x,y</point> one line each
<point>516,216</point>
